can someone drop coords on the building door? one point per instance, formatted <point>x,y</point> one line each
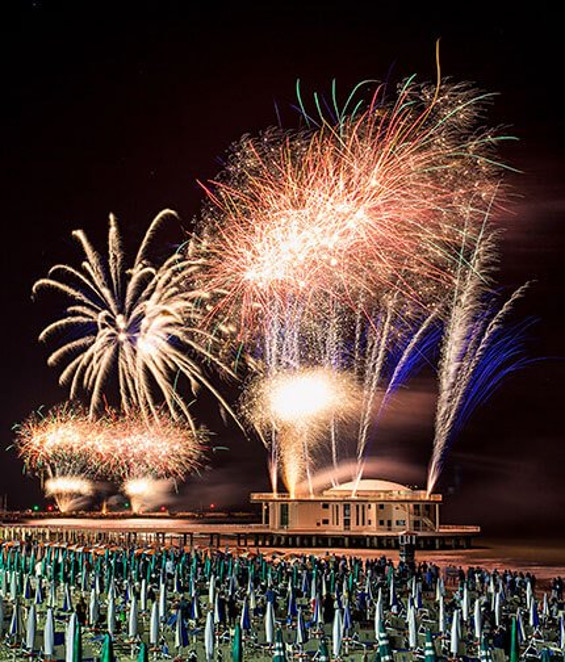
<point>283,515</point>
<point>347,516</point>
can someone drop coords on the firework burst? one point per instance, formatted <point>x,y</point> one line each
<point>140,323</point>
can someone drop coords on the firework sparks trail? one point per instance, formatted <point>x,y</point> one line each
<point>69,492</point>
<point>146,493</point>
<point>141,323</point>
<point>478,350</point>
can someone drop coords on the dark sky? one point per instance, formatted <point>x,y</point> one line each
<point>122,106</point>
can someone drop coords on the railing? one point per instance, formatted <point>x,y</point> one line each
<point>360,496</point>
<point>463,528</point>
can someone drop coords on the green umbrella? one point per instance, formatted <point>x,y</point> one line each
<point>143,655</point>
<point>429,650</point>
<point>279,652</point>
<point>514,643</point>
<point>107,652</point>
<point>323,654</point>
<point>77,649</point>
<point>545,655</point>
<point>485,654</point>
<point>384,646</point>
<point>237,645</point>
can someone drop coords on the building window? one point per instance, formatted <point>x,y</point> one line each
<point>266,513</point>
<point>416,509</point>
<point>381,522</point>
<point>325,506</point>
<point>284,514</point>
<point>325,522</point>
<point>400,522</point>
<point>381,506</point>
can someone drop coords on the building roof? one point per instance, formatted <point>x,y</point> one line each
<point>368,485</point>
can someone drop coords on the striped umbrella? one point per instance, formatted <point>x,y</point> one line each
<point>385,653</point>
<point>429,648</point>
<point>279,654</point>
<point>181,635</point>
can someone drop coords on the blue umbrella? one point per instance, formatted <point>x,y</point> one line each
<point>301,632</point>
<point>245,620</point>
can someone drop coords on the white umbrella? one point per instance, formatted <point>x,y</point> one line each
<point>412,627</point>
<point>31,626</point>
<point>454,641</point>
<point>477,620</point>
<point>93,608</point>
<point>209,637</point>
<point>378,614</point>
<point>13,585</point>
<point>52,595</point>
<point>545,606</point>
<point>49,634</point>
<point>132,619</point>
<point>441,615</point>
<point>529,594</point>
<point>70,638</point>
<point>270,623</point>
<point>154,625</point>
<point>498,609</point>
<point>38,599</point>
<point>562,633</point>
<point>337,631</point>
<point>162,601</point>
<point>465,604</point>
<point>111,616</point>
<point>143,595</point>
<point>212,590</point>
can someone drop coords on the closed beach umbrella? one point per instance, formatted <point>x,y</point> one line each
<point>245,620</point>
<point>378,614</point>
<point>301,633</point>
<point>237,645</point>
<point>67,600</point>
<point>154,625</point>
<point>49,634</point>
<point>477,620</point>
<point>385,653</point>
<point>107,652</point>
<point>323,653</point>
<point>71,654</point>
<point>279,654</point>
<point>520,625</point>
<point>534,616</point>
<point>209,637</point>
<point>269,623</point>
<point>454,640</point>
<point>143,595</point>
<point>514,642</point>
<point>143,655</point>
<point>337,632</point>
<point>162,601</point>
<point>181,635</point>
<point>429,649</point>
<point>212,590</point>
<point>442,626</point>
<point>498,609</point>
<point>93,609</point>
<point>2,615</point>
<point>562,633</point>
<point>15,630</point>
<point>111,616</point>
<point>38,592</point>
<point>132,619</point>
<point>412,629</point>
<point>529,594</point>
<point>465,603</point>
<point>31,626</point>
<point>485,654</point>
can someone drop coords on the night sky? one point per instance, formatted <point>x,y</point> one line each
<point>122,110</point>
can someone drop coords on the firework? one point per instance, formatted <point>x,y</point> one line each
<point>478,350</point>
<point>138,323</point>
<point>337,246</point>
<point>297,407</point>
<point>146,493</point>
<point>69,492</point>
<point>161,448</point>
